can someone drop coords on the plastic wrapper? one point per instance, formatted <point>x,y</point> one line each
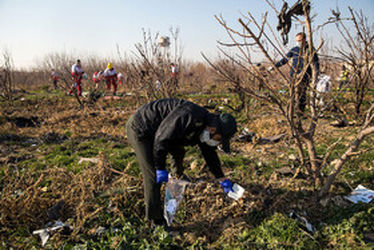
<point>324,84</point>
<point>361,194</point>
<point>173,195</point>
<point>46,232</point>
<point>237,192</point>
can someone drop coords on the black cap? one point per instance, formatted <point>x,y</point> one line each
<point>227,124</point>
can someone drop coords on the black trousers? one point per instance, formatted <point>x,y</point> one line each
<point>144,154</point>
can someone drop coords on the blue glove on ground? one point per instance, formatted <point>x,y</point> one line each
<point>226,185</point>
<point>162,176</point>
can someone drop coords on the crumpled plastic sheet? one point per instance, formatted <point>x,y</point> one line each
<point>173,195</point>
<point>45,233</point>
<point>360,194</point>
<point>237,192</point>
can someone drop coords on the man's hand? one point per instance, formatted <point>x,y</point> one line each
<point>162,176</point>
<point>226,185</point>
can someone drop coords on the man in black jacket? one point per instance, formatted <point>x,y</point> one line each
<point>166,126</point>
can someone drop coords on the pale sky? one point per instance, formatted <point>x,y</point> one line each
<point>32,28</point>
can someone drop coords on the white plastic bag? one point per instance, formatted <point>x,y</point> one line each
<point>237,192</point>
<point>173,195</point>
<point>324,84</point>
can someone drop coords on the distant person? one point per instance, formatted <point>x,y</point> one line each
<point>262,75</point>
<point>343,76</point>
<point>166,126</point>
<point>110,76</point>
<point>77,76</point>
<point>54,77</point>
<point>174,73</point>
<point>97,77</point>
<point>174,70</point>
<point>298,54</point>
<point>120,78</point>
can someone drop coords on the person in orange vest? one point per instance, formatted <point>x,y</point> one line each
<point>77,76</point>
<point>96,78</point>
<point>110,76</point>
<point>54,77</point>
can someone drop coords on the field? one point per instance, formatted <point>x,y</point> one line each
<point>46,138</point>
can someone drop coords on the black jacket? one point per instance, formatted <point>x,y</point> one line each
<point>172,124</point>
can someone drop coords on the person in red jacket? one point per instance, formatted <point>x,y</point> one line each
<point>77,75</point>
<point>110,76</point>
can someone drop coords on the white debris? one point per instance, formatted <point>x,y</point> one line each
<point>360,194</point>
<point>238,192</point>
<point>45,233</point>
<point>93,160</point>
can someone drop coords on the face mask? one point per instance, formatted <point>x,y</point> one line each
<point>205,138</point>
<point>299,44</point>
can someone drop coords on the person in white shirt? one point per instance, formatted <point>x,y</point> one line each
<point>110,76</point>
<point>77,75</point>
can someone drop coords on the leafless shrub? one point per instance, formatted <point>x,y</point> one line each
<point>358,52</point>
<point>255,37</point>
<point>6,76</point>
<point>153,64</point>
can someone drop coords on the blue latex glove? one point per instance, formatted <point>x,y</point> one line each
<point>162,176</point>
<point>226,185</point>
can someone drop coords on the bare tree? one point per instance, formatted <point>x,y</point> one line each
<point>61,62</point>
<point>366,130</point>
<point>153,65</point>
<point>6,76</point>
<point>357,52</point>
<point>255,37</point>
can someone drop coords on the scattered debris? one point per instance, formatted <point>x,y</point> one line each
<point>237,193</point>
<point>245,136</point>
<point>102,230</point>
<point>271,139</point>
<point>303,221</point>
<point>285,171</point>
<point>360,194</point>
<point>46,232</point>
<point>55,211</point>
<point>324,84</point>
<point>292,157</point>
<point>93,160</point>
